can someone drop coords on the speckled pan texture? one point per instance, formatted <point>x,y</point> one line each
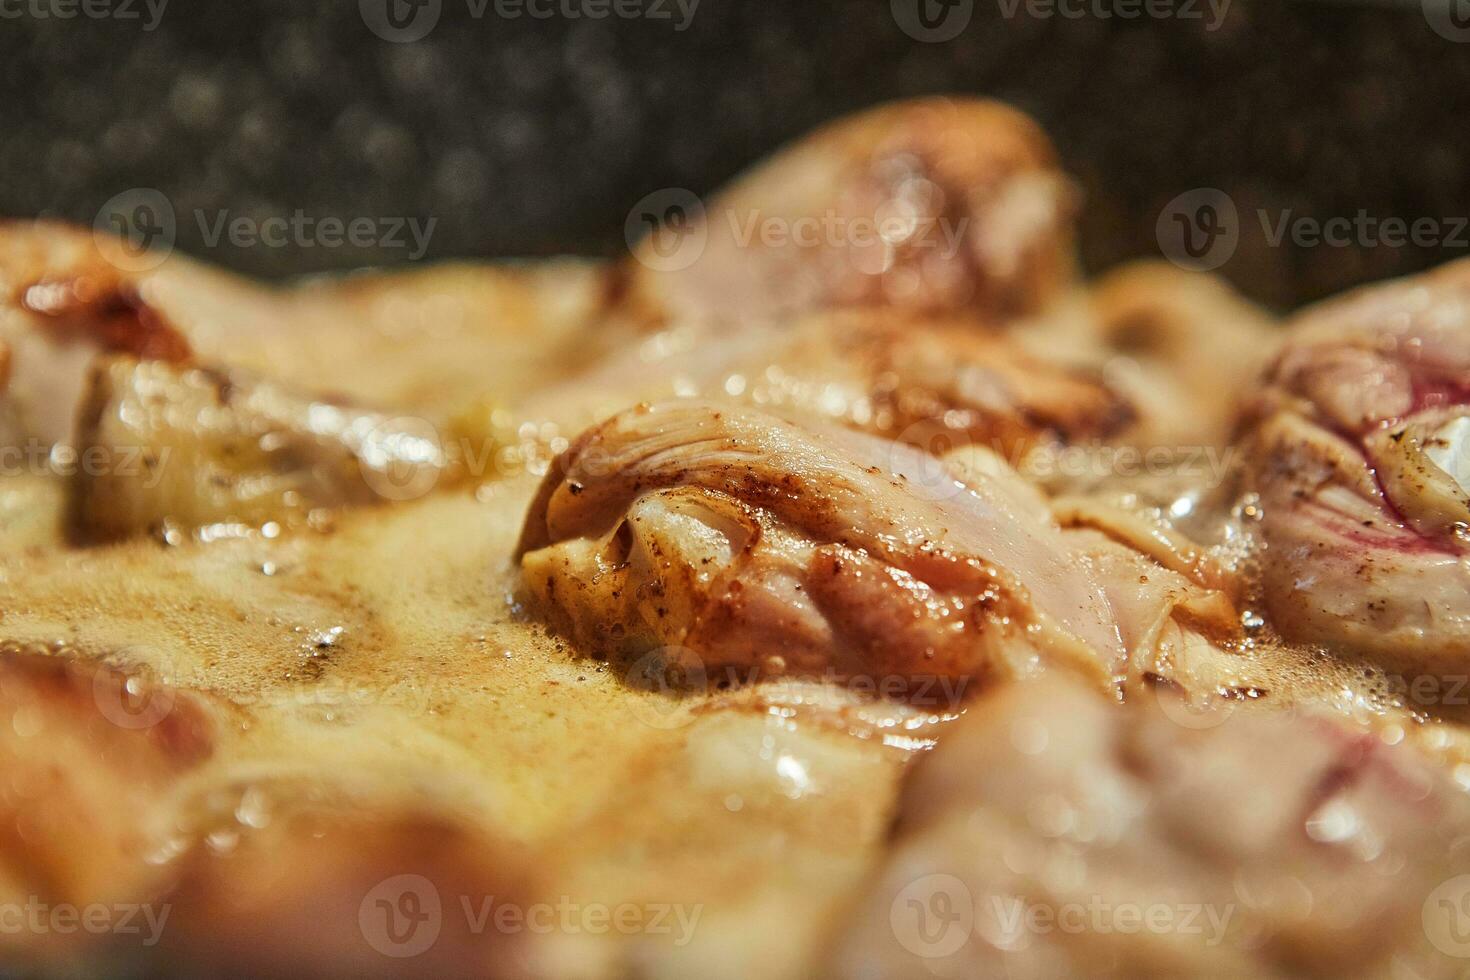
<point>535,136</point>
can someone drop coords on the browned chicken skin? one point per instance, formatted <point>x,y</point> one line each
<point>933,206</point>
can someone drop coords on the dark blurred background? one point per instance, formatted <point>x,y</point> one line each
<point>533,136</point>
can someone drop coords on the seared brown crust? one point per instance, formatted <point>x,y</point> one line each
<point>59,275</point>
<point>102,309</point>
<point>935,380</point>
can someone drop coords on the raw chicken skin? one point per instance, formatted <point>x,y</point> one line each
<point>1358,450</point>
<point>763,545</point>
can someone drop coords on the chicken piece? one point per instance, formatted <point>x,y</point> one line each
<point>935,383</point>
<point>89,751</point>
<point>1358,452</point>
<point>1053,834</point>
<point>754,547</point>
<point>444,341</point>
<point>438,341</point>
<point>930,206</point>
<point>51,328</point>
<point>1133,385</point>
<point>162,445</point>
<point>316,886</point>
<point>752,811</point>
<point>1183,347</point>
